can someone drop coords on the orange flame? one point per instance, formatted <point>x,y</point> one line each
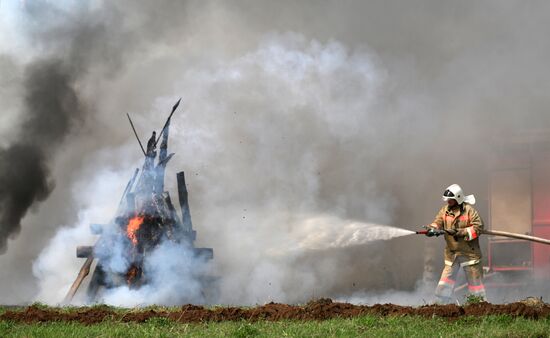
<point>132,228</point>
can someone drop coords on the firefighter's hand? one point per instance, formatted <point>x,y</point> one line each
<point>431,232</point>
<point>451,232</point>
<point>461,233</point>
<point>457,233</point>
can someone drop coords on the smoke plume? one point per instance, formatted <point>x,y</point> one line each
<point>67,40</point>
<point>51,110</point>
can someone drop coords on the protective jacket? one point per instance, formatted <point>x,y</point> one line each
<point>465,248</point>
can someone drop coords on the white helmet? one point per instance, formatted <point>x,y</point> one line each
<point>454,192</point>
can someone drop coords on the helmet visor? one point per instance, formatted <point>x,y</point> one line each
<point>448,193</point>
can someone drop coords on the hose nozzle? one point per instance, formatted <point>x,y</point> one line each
<point>430,232</point>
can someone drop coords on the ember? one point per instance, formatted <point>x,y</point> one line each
<point>133,275</point>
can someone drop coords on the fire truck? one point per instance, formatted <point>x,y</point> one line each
<point>519,202</point>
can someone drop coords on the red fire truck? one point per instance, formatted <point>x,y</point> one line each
<point>519,202</point>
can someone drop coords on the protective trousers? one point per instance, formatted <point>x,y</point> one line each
<point>474,276</point>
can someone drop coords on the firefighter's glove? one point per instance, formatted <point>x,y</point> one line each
<point>461,233</point>
<point>432,232</point>
<point>451,232</point>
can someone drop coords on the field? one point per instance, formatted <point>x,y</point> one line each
<point>319,318</point>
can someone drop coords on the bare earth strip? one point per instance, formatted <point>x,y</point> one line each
<point>317,310</point>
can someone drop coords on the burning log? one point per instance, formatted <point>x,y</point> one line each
<point>133,276</point>
<point>86,251</point>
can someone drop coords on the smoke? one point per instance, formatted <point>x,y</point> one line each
<point>66,42</point>
<point>422,295</point>
<point>57,265</point>
<point>173,279</point>
<point>285,153</point>
<point>292,63</point>
<point>51,109</point>
<point>365,112</point>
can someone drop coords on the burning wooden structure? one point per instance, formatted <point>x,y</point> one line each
<point>146,216</point>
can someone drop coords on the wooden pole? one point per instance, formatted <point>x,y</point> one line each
<point>135,133</point>
<point>167,121</point>
<point>84,271</point>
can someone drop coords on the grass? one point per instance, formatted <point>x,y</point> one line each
<point>473,299</point>
<point>366,326</point>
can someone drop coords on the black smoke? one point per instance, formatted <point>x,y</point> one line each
<point>52,108</point>
<point>75,43</point>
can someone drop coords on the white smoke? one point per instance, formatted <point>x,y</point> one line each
<point>173,278</point>
<point>422,294</point>
<point>264,130</point>
<point>275,136</point>
<point>57,266</point>
<point>172,270</point>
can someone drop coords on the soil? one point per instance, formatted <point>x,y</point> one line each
<point>321,309</point>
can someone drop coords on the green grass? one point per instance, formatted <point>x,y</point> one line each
<point>473,299</point>
<point>366,326</point>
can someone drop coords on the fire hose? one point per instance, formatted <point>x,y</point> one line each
<point>439,232</point>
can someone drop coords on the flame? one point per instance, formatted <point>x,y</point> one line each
<point>132,228</point>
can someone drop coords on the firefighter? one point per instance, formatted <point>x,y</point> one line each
<point>462,225</point>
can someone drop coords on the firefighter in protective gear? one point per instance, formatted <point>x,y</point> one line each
<point>462,225</point>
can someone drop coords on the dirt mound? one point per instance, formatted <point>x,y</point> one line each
<point>317,310</point>
<point>33,313</point>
